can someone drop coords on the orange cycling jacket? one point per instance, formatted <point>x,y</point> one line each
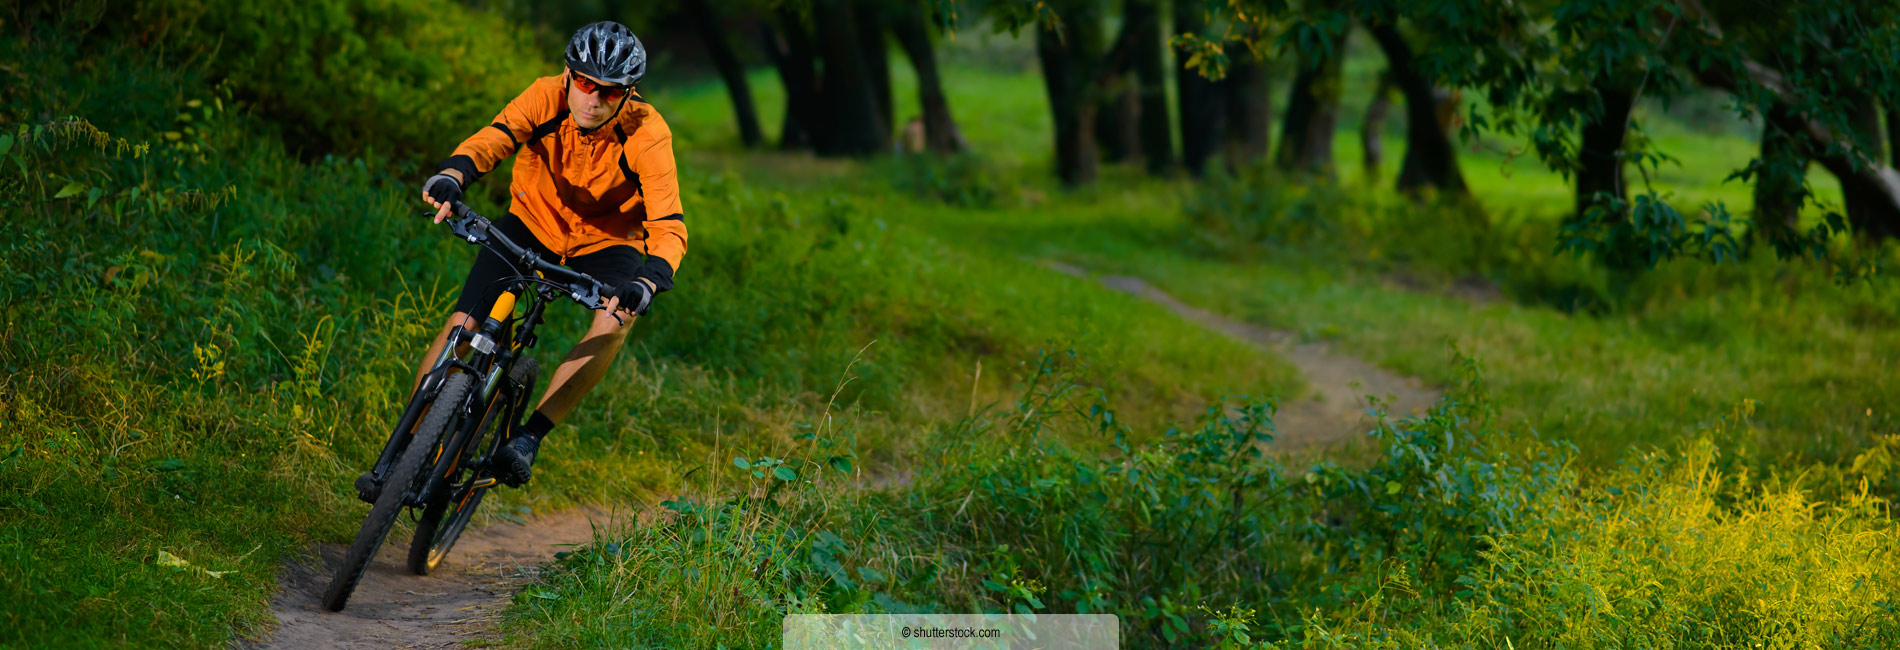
<point>580,191</point>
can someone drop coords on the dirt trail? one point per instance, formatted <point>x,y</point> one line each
<point>393,608</point>
<point>461,601</point>
<point>1334,410</point>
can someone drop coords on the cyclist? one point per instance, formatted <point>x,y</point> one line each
<point>595,189</point>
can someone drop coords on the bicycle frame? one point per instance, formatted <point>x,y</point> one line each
<point>489,352</point>
<point>491,348</point>
<point>469,372</point>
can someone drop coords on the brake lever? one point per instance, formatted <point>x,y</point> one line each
<point>472,228</point>
<point>592,298</point>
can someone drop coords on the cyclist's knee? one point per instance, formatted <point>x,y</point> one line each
<point>605,325</point>
<point>457,318</point>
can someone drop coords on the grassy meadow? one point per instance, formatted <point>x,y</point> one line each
<point>210,319</point>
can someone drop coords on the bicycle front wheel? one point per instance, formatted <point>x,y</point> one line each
<point>400,485</point>
<point>452,508</point>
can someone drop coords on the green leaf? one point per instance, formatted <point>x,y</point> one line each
<point>92,197</point>
<point>6,144</point>
<point>70,189</point>
<point>785,473</point>
<point>841,463</point>
<point>1392,487</point>
<point>741,463</point>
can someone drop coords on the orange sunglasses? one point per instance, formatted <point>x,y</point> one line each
<point>589,86</point>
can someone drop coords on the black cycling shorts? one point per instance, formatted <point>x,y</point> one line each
<point>613,266</point>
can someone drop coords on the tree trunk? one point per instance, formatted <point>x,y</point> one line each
<point>877,58</point>
<point>1249,111</point>
<point>1312,113</point>
<point>1869,197</point>
<point>1871,189</point>
<point>1866,121</point>
<point>1778,194</point>
<point>789,46</point>
<point>1430,160</point>
<point>1157,135</point>
<point>1118,107</point>
<point>1068,74</point>
<point>1874,185</point>
<point>1867,210</point>
<point>940,129</point>
<point>1203,112</point>
<point>1372,129</point>
<point>1893,136</point>
<point>1118,118</point>
<point>1599,168</point>
<point>851,123</point>
<point>713,34</point>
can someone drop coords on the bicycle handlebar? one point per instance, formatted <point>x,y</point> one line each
<point>475,228</point>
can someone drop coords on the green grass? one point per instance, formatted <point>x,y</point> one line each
<point>1649,376</point>
<point>199,368</point>
<point>205,343</point>
<point>1687,339</point>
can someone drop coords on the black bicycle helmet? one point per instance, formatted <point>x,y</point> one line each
<point>607,51</point>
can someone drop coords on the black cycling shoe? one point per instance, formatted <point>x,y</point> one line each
<point>368,489</point>
<point>514,461</point>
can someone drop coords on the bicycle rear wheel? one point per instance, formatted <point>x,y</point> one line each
<point>400,485</point>
<point>442,523</point>
<point>454,505</point>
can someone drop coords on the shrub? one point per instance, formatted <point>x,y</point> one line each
<point>1457,535</point>
<point>962,180</point>
<point>403,77</point>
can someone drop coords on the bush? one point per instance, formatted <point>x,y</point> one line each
<point>180,380</point>
<point>1235,215</point>
<point>962,180</point>
<point>1673,549</point>
<point>405,77</point>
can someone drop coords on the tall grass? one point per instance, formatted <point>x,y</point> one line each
<point>1454,536</point>
<point>207,336</point>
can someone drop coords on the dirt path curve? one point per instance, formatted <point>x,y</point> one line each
<point>393,608</point>
<point>1334,410</point>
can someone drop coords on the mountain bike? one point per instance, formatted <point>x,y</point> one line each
<point>467,405</point>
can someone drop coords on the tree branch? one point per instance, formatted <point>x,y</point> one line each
<point>1838,154</point>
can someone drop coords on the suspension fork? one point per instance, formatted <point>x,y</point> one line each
<point>490,361</point>
<point>424,395</point>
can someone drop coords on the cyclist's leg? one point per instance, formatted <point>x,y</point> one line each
<point>589,360</point>
<point>480,289</point>
<point>585,365</point>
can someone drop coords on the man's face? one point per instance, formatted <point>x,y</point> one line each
<point>588,109</point>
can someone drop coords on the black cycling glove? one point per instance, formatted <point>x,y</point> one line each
<point>635,296</point>
<point>443,188</point>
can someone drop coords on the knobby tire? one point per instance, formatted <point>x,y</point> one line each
<point>396,489</point>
